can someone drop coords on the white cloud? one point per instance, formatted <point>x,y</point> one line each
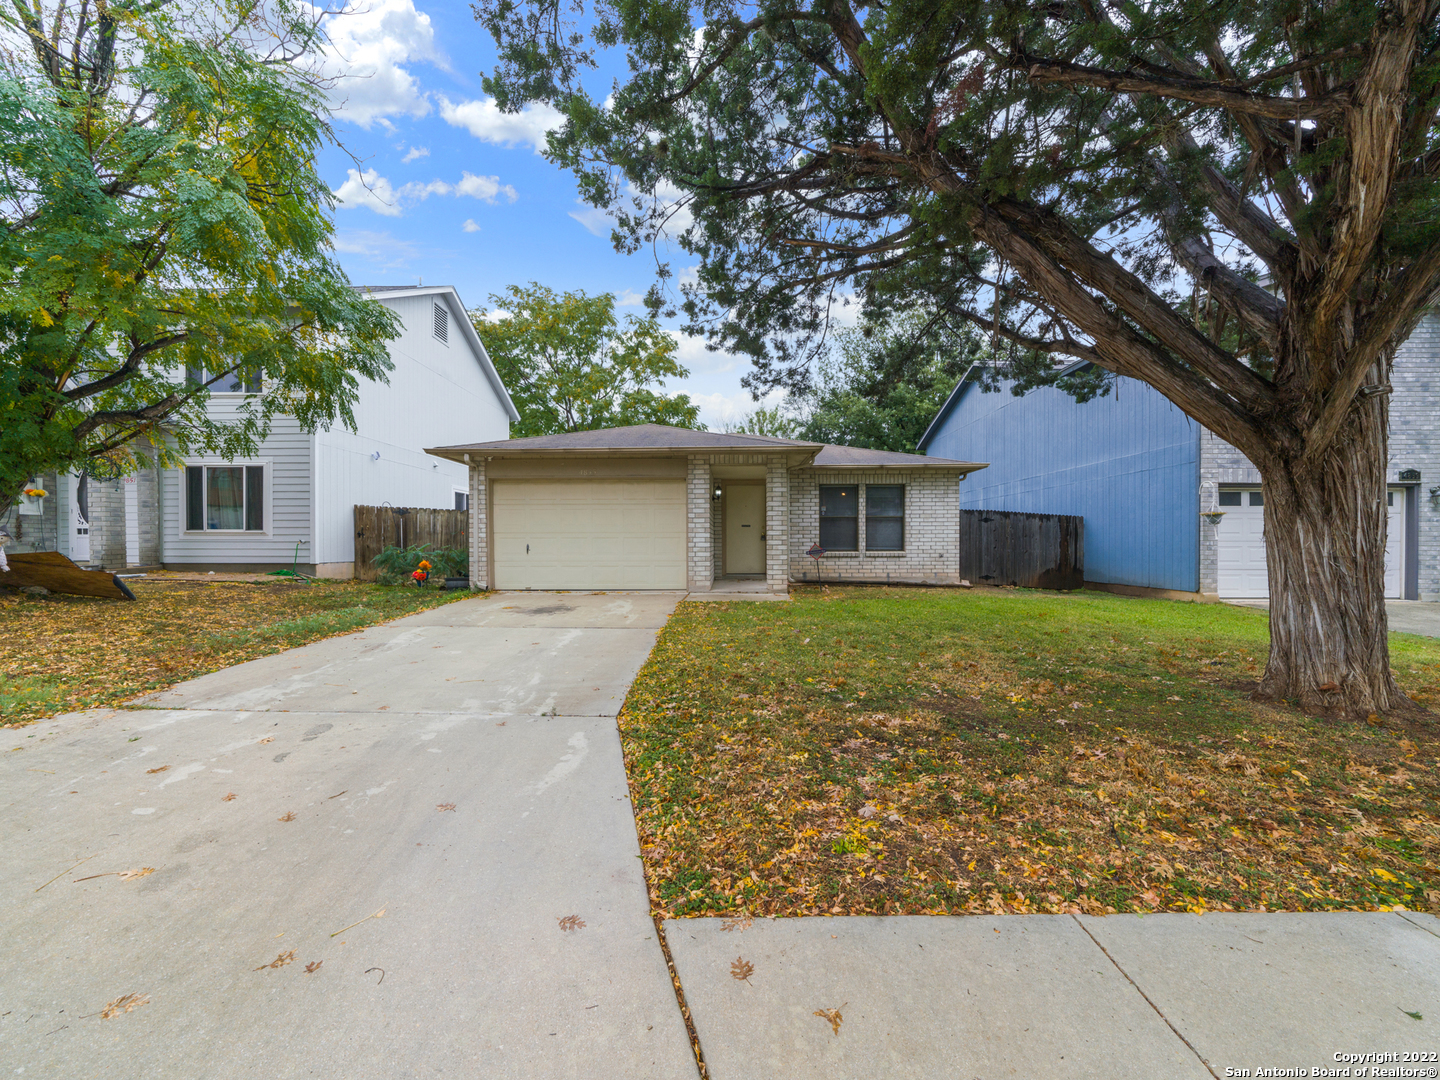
<point>691,352</point>
<point>629,298</point>
<point>667,197</point>
<point>470,226</point>
<point>486,122</point>
<point>368,189</point>
<point>718,409</point>
<point>379,248</point>
<point>415,154</point>
<point>597,221</point>
<point>485,188</point>
<point>366,55</point>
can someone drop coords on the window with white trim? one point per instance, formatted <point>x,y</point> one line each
<point>442,323</point>
<point>462,500</point>
<point>225,498</point>
<point>884,517</point>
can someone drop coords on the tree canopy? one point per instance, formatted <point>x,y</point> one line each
<point>1234,202</point>
<point>571,364</point>
<point>165,228</point>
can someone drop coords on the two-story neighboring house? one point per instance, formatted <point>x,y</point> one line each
<point>1168,504</point>
<point>293,502</point>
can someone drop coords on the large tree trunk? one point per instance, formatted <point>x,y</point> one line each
<point>1325,546</point>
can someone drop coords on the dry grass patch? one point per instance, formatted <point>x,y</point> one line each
<point>61,653</point>
<point>863,751</point>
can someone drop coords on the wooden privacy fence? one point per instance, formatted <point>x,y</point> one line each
<point>1036,551</point>
<point>376,527</point>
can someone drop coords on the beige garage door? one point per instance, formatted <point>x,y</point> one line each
<point>589,534</point>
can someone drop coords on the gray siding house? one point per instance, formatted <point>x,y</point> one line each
<point>294,500</point>
<point>1169,505</point>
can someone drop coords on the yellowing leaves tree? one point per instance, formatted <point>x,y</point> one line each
<point>165,229</point>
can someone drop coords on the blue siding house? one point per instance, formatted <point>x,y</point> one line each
<point>1128,463</point>
<point>1170,505</point>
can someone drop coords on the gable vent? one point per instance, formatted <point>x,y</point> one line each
<point>442,324</point>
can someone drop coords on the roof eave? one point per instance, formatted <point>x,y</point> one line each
<point>482,450</point>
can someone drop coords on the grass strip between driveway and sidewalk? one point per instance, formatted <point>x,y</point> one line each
<point>906,751</point>
<point>63,653</point>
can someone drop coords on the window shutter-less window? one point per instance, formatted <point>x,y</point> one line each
<point>194,497</point>
<point>442,324</point>
<point>255,498</point>
<point>839,518</point>
<point>885,517</point>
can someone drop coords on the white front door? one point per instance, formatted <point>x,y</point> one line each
<point>1395,544</point>
<point>589,534</point>
<point>744,528</point>
<point>79,520</point>
<point>1242,573</point>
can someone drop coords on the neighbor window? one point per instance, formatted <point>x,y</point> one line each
<point>225,498</point>
<point>884,517</point>
<point>235,382</point>
<point>462,500</point>
<point>839,518</point>
<point>1230,498</point>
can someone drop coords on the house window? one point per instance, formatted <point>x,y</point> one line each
<point>884,517</point>
<point>1230,498</point>
<point>1257,498</point>
<point>234,382</point>
<point>462,500</point>
<point>442,324</point>
<point>225,498</point>
<point>840,518</point>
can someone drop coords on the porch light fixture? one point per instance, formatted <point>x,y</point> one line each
<point>716,497</point>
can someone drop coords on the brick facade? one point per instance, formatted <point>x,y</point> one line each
<point>479,527</point>
<point>699,527</point>
<point>932,532</point>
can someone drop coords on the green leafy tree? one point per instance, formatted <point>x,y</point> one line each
<point>571,365</point>
<point>774,421</point>
<point>165,229</point>
<point>1091,179</point>
<point>884,382</point>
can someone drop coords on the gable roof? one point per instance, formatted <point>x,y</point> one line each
<point>663,440</point>
<point>452,301</point>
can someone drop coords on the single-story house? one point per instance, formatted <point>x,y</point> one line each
<point>656,507</point>
<point>294,499</point>
<point>1168,504</point>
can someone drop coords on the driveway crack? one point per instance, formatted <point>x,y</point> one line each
<point>1146,996</point>
<point>700,1065</point>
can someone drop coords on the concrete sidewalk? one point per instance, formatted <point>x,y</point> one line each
<point>1057,996</point>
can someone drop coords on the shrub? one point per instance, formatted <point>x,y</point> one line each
<point>396,564</point>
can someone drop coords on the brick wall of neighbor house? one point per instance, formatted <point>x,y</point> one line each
<point>932,535</point>
<point>479,527</point>
<point>147,507</point>
<point>700,560</point>
<point>1414,444</point>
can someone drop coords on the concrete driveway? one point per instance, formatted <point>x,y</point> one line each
<point>362,852</point>
<point>1404,616</point>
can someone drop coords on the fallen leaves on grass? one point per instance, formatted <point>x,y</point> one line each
<point>125,1004</point>
<point>955,791</point>
<point>832,1017</point>
<point>571,922</point>
<point>66,653</point>
<point>741,969</point>
<point>279,961</point>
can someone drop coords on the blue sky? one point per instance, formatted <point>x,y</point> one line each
<point>453,192</point>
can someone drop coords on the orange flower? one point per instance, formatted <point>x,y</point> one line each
<point>424,564</point>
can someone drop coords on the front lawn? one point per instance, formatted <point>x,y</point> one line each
<point>905,751</point>
<point>60,653</point>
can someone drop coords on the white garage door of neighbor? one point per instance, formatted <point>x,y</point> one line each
<point>589,534</point>
<point>1242,545</point>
